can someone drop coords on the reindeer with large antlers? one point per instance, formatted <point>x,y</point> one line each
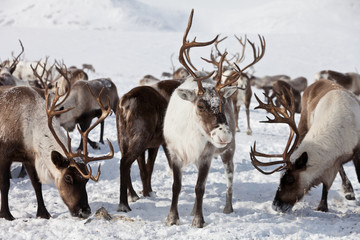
<point>30,134</point>
<point>202,112</point>
<point>327,137</point>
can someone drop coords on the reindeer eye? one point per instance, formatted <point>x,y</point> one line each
<point>201,107</point>
<point>68,179</point>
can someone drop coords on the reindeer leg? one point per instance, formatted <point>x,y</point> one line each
<point>323,206</point>
<point>167,154</point>
<point>125,165</point>
<point>84,125</point>
<point>4,188</point>
<point>41,211</point>
<point>150,165</point>
<point>173,216</point>
<point>346,185</point>
<point>143,174</point>
<point>227,159</point>
<point>236,111</point>
<point>198,220</point>
<point>133,196</point>
<point>22,173</point>
<point>248,131</point>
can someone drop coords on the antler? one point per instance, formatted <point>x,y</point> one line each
<point>16,60</point>
<point>184,50</point>
<point>281,115</point>
<point>104,113</point>
<point>241,57</point>
<point>257,52</point>
<point>51,112</point>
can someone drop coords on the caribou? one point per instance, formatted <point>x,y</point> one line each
<point>30,134</point>
<point>202,111</point>
<point>87,107</point>
<point>139,121</point>
<point>350,80</point>
<point>326,138</point>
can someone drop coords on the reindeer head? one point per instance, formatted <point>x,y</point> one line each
<point>210,100</point>
<point>293,185</point>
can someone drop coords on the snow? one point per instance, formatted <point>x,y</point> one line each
<point>127,39</point>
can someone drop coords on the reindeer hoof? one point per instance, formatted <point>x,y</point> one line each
<point>249,132</point>
<point>198,222</point>
<point>45,215</point>
<point>7,216</point>
<point>322,208</point>
<point>172,220</point>
<point>123,208</point>
<point>228,209</point>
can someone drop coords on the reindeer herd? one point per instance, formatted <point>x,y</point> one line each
<point>193,116</point>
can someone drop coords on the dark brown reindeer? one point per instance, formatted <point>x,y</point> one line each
<point>139,121</point>
<point>202,112</point>
<point>350,80</point>
<point>30,134</point>
<point>326,138</point>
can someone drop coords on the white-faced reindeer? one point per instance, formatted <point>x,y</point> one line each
<point>199,124</point>
<point>327,137</point>
<point>139,121</point>
<point>350,81</point>
<point>87,107</point>
<point>30,134</point>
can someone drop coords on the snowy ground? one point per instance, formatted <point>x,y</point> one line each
<point>126,40</point>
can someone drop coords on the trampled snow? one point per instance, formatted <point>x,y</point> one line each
<point>127,39</point>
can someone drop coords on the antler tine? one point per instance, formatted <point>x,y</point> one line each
<point>16,60</point>
<point>243,44</point>
<point>257,52</point>
<point>257,164</point>
<point>104,114</point>
<point>281,115</point>
<point>65,75</point>
<point>86,157</point>
<point>184,50</point>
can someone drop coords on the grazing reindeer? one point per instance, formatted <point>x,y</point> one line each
<point>30,134</point>
<point>350,81</point>
<point>86,107</point>
<point>139,121</point>
<point>202,113</point>
<point>326,138</point>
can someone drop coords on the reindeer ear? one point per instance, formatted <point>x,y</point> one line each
<point>228,91</point>
<point>59,161</point>
<point>301,161</point>
<point>186,94</point>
